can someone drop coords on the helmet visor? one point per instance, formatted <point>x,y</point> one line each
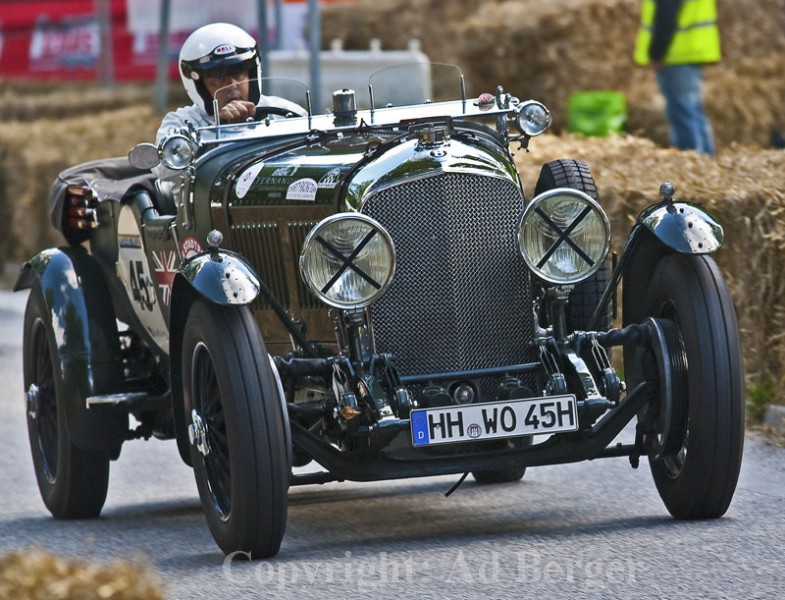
<point>226,71</point>
<point>241,57</point>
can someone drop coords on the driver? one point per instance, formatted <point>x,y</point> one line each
<point>213,57</point>
<point>216,56</point>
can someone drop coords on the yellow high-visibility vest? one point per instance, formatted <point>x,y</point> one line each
<point>696,39</point>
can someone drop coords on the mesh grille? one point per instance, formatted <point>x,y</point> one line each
<point>460,298</point>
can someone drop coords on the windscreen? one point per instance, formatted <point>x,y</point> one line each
<point>415,83</point>
<point>288,96</point>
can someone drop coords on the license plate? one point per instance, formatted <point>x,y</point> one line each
<point>477,422</point>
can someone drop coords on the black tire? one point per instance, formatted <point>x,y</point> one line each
<point>73,482</point>
<point>491,476</point>
<point>698,482</point>
<point>498,475</point>
<point>585,296</point>
<point>244,479</point>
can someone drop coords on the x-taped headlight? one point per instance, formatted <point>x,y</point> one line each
<point>532,118</point>
<point>348,261</point>
<point>177,152</point>
<point>564,236</point>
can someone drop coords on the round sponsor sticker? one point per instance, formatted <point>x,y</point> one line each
<point>190,246</point>
<point>302,189</point>
<point>246,179</point>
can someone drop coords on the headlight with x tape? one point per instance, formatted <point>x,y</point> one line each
<point>348,261</point>
<point>564,236</point>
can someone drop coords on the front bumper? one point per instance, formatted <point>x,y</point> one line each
<point>559,448</point>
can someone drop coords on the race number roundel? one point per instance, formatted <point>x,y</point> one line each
<point>139,282</point>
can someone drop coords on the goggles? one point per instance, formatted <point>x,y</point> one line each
<point>223,72</point>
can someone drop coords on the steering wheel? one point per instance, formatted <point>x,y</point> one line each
<point>262,112</point>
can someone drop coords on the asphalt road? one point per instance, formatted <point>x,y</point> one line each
<point>589,530</point>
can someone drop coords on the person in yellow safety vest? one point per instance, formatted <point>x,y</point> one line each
<point>676,38</point>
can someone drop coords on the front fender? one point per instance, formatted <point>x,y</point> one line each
<point>661,230</point>
<point>221,277</point>
<point>684,227</point>
<point>84,332</point>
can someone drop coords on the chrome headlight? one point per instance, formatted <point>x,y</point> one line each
<point>177,152</point>
<point>348,261</point>
<point>532,118</point>
<point>564,236</point>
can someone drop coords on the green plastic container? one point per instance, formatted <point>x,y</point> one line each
<point>596,113</point>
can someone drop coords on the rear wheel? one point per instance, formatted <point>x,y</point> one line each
<point>72,482</point>
<point>698,480</point>
<point>585,296</point>
<point>235,423</point>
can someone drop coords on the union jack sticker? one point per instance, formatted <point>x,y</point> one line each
<point>165,270</point>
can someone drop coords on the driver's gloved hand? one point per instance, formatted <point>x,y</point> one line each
<point>237,111</point>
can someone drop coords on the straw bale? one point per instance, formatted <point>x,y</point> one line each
<point>38,575</point>
<point>743,187</point>
<point>548,50</point>
<point>32,100</point>
<point>32,154</point>
<point>395,22</point>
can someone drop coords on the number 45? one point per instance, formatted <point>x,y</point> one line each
<point>140,288</point>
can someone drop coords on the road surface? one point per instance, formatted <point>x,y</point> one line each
<point>589,530</point>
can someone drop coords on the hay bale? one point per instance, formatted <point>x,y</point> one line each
<point>547,50</point>
<point>38,575</point>
<point>30,100</point>
<point>32,154</point>
<point>394,22</point>
<point>743,187</point>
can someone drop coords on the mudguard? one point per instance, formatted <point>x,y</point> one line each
<point>684,227</point>
<point>663,229</point>
<point>221,277</point>
<point>84,329</point>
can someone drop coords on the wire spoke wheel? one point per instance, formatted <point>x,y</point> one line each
<point>207,403</point>
<point>42,402</point>
<point>72,481</point>
<point>237,429</point>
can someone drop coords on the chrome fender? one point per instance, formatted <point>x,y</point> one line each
<point>84,333</point>
<point>221,277</point>
<point>684,227</point>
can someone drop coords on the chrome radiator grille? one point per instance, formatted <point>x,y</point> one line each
<point>460,298</point>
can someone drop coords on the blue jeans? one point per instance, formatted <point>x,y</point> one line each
<point>689,127</point>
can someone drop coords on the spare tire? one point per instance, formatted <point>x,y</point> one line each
<point>585,296</point>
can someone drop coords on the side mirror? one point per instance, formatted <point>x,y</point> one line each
<point>144,156</point>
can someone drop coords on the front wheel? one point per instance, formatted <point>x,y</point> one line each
<point>235,424</point>
<point>698,480</point>
<point>73,482</point>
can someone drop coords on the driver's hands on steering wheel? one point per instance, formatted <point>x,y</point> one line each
<point>237,111</point>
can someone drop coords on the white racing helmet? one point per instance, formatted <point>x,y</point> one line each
<point>215,46</point>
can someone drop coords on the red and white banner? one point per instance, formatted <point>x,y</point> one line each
<point>61,39</point>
